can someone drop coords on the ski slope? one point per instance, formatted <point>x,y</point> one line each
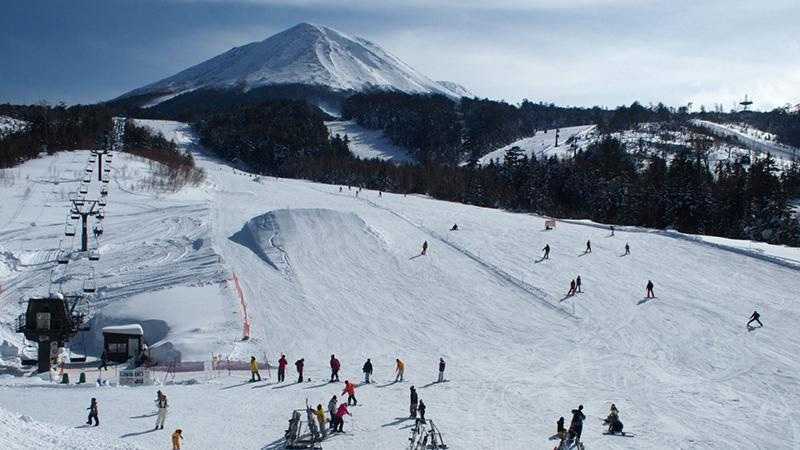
<point>323,272</point>
<point>543,144</point>
<point>756,140</point>
<point>368,144</point>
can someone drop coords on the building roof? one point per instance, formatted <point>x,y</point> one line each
<point>132,329</point>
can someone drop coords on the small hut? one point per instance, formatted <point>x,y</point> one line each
<point>123,342</point>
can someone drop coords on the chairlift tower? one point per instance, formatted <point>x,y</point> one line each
<point>745,103</point>
<point>52,321</point>
<point>84,210</point>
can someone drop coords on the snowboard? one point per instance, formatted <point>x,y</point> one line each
<point>623,434</point>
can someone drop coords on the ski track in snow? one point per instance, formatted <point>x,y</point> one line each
<point>345,279</point>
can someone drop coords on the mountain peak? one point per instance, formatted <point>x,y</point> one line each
<point>305,54</point>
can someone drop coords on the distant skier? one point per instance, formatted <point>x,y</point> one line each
<point>350,389</point>
<point>649,291</point>
<point>754,318</point>
<point>254,369</point>
<point>333,404</point>
<point>454,227</point>
<point>576,426</point>
<point>399,369</point>
<point>367,369</point>
<point>177,436</point>
<point>441,370</point>
<point>282,363</point>
<point>571,290</point>
<point>335,365</point>
<point>320,415</point>
<point>627,249</point>
<point>612,230</point>
<point>546,251</point>
<point>161,404</point>
<point>588,247</point>
<point>421,410</point>
<point>578,284</point>
<point>93,413</point>
<point>424,248</point>
<point>103,361</point>
<point>380,194</point>
<point>340,413</point>
<point>561,432</point>
<point>613,422</point>
<point>299,366</point>
<point>414,402</point>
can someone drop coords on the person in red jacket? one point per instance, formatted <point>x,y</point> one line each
<point>340,413</point>
<point>350,389</point>
<point>335,365</point>
<point>282,368</point>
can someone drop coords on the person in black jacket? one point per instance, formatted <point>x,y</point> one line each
<point>421,409</point>
<point>299,365</point>
<point>414,400</point>
<point>546,251</point>
<point>754,318</point>
<point>441,370</point>
<point>93,413</point>
<point>367,369</point>
<point>576,426</point>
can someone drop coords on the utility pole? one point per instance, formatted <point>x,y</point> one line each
<point>84,209</point>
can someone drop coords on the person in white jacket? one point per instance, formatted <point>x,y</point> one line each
<point>161,403</point>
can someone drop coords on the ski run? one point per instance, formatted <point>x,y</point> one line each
<point>311,270</point>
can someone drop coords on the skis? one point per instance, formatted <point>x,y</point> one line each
<point>622,434</point>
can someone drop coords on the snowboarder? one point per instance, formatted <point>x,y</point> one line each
<point>177,436</point>
<point>546,251</point>
<point>93,413</point>
<point>340,413</point>
<point>320,415</point>
<point>576,426</point>
<point>441,369</point>
<point>649,290</point>
<point>299,366</point>
<point>561,432</point>
<point>424,248</point>
<point>254,369</point>
<point>754,318</point>
<point>571,291</point>
<point>161,404</point>
<point>627,249</point>
<point>282,363</point>
<point>103,362</point>
<point>578,284</point>
<point>333,403</point>
<point>588,247</point>
<point>414,401</point>
<point>335,365</point>
<point>367,369</point>
<point>399,368</point>
<point>421,410</point>
<point>454,227</point>
<point>350,389</point>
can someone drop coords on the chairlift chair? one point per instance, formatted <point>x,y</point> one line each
<point>102,202</point>
<point>74,214</point>
<point>105,180</point>
<point>69,230</point>
<point>104,191</point>
<point>90,284</point>
<point>98,229</point>
<point>62,257</point>
<point>87,179</point>
<point>89,169</point>
<point>106,169</point>
<point>83,189</point>
<point>101,214</point>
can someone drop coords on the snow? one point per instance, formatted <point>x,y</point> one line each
<point>753,139</point>
<point>9,125</point>
<point>304,54</point>
<point>456,88</point>
<point>131,329</point>
<point>368,144</point>
<point>322,272</point>
<point>543,144</point>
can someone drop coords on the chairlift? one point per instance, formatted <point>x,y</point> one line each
<point>87,179</point>
<point>94,254</point>
<point>74,214</point>
<point>104,191</point>
<point>83,189</point>
<point>98,229</point>
<point>89,169</point>
<point>102,202</point>
<point>90,284</point>
<point>93,159</point>
<point>106,169</point>
<point>69,229</point>
<point>63,256</point>
<point>101,214</point>
<point>105,180</point>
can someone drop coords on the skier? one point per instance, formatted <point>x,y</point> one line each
<point>367,369</point>
<point>454,227</point>
<point>627,249</point>
<point>588,247</point>
<point>560,431</point>
<point>176,439</point>
<point>299,366</point>
<point>424,248</point>
<point>441,369</point>
<point>578,283</point>
<point>649,291</point>
<point>340,413</point>
<point>576,426</point>
<point>421,410</point>
<point>282,363</point>
<point>613,422</point>
<point>103,362</point>
<point>571,291</point>
<point>161,404</point>
<point>332,406</point>
<point>93,413</point>
<point>754,318</point>
<point>254,369</point>
<point>340,189</point>
<point>335,365</point>
<point>320,414</point>
<point>312,424</point>
<point>414,401</point>
<point>380,194</point>
<point>350,389</point>
<point>400,368</point>
<point>612,230</point>
<point>546,251</point>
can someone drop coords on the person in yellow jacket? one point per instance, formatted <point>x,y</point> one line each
<point>400,368</point>
<point>254,369</point>
<point>176,439</point>
<point>320,413</point>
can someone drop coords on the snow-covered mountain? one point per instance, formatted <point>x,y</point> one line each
<point>305,54</point>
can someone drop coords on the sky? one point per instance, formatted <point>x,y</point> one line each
<point>569,52</point>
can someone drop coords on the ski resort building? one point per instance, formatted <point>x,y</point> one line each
<point>123,342</point>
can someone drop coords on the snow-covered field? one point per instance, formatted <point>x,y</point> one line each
<point>323,272</point>
<point>753,139</point>
<point>543,144</point>
<point>368,144</point>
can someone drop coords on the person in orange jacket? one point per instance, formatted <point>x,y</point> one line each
<point>176,439</point>
<point>399,368</point>
<point>350,389</point>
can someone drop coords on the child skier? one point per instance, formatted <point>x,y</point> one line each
<point>177,436</point>
<point>254,369</point>
<point>350,389</point>
<point>400,368</point>
<point>320,414</point>
<point>421,410</point>
<point>93,413</point>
